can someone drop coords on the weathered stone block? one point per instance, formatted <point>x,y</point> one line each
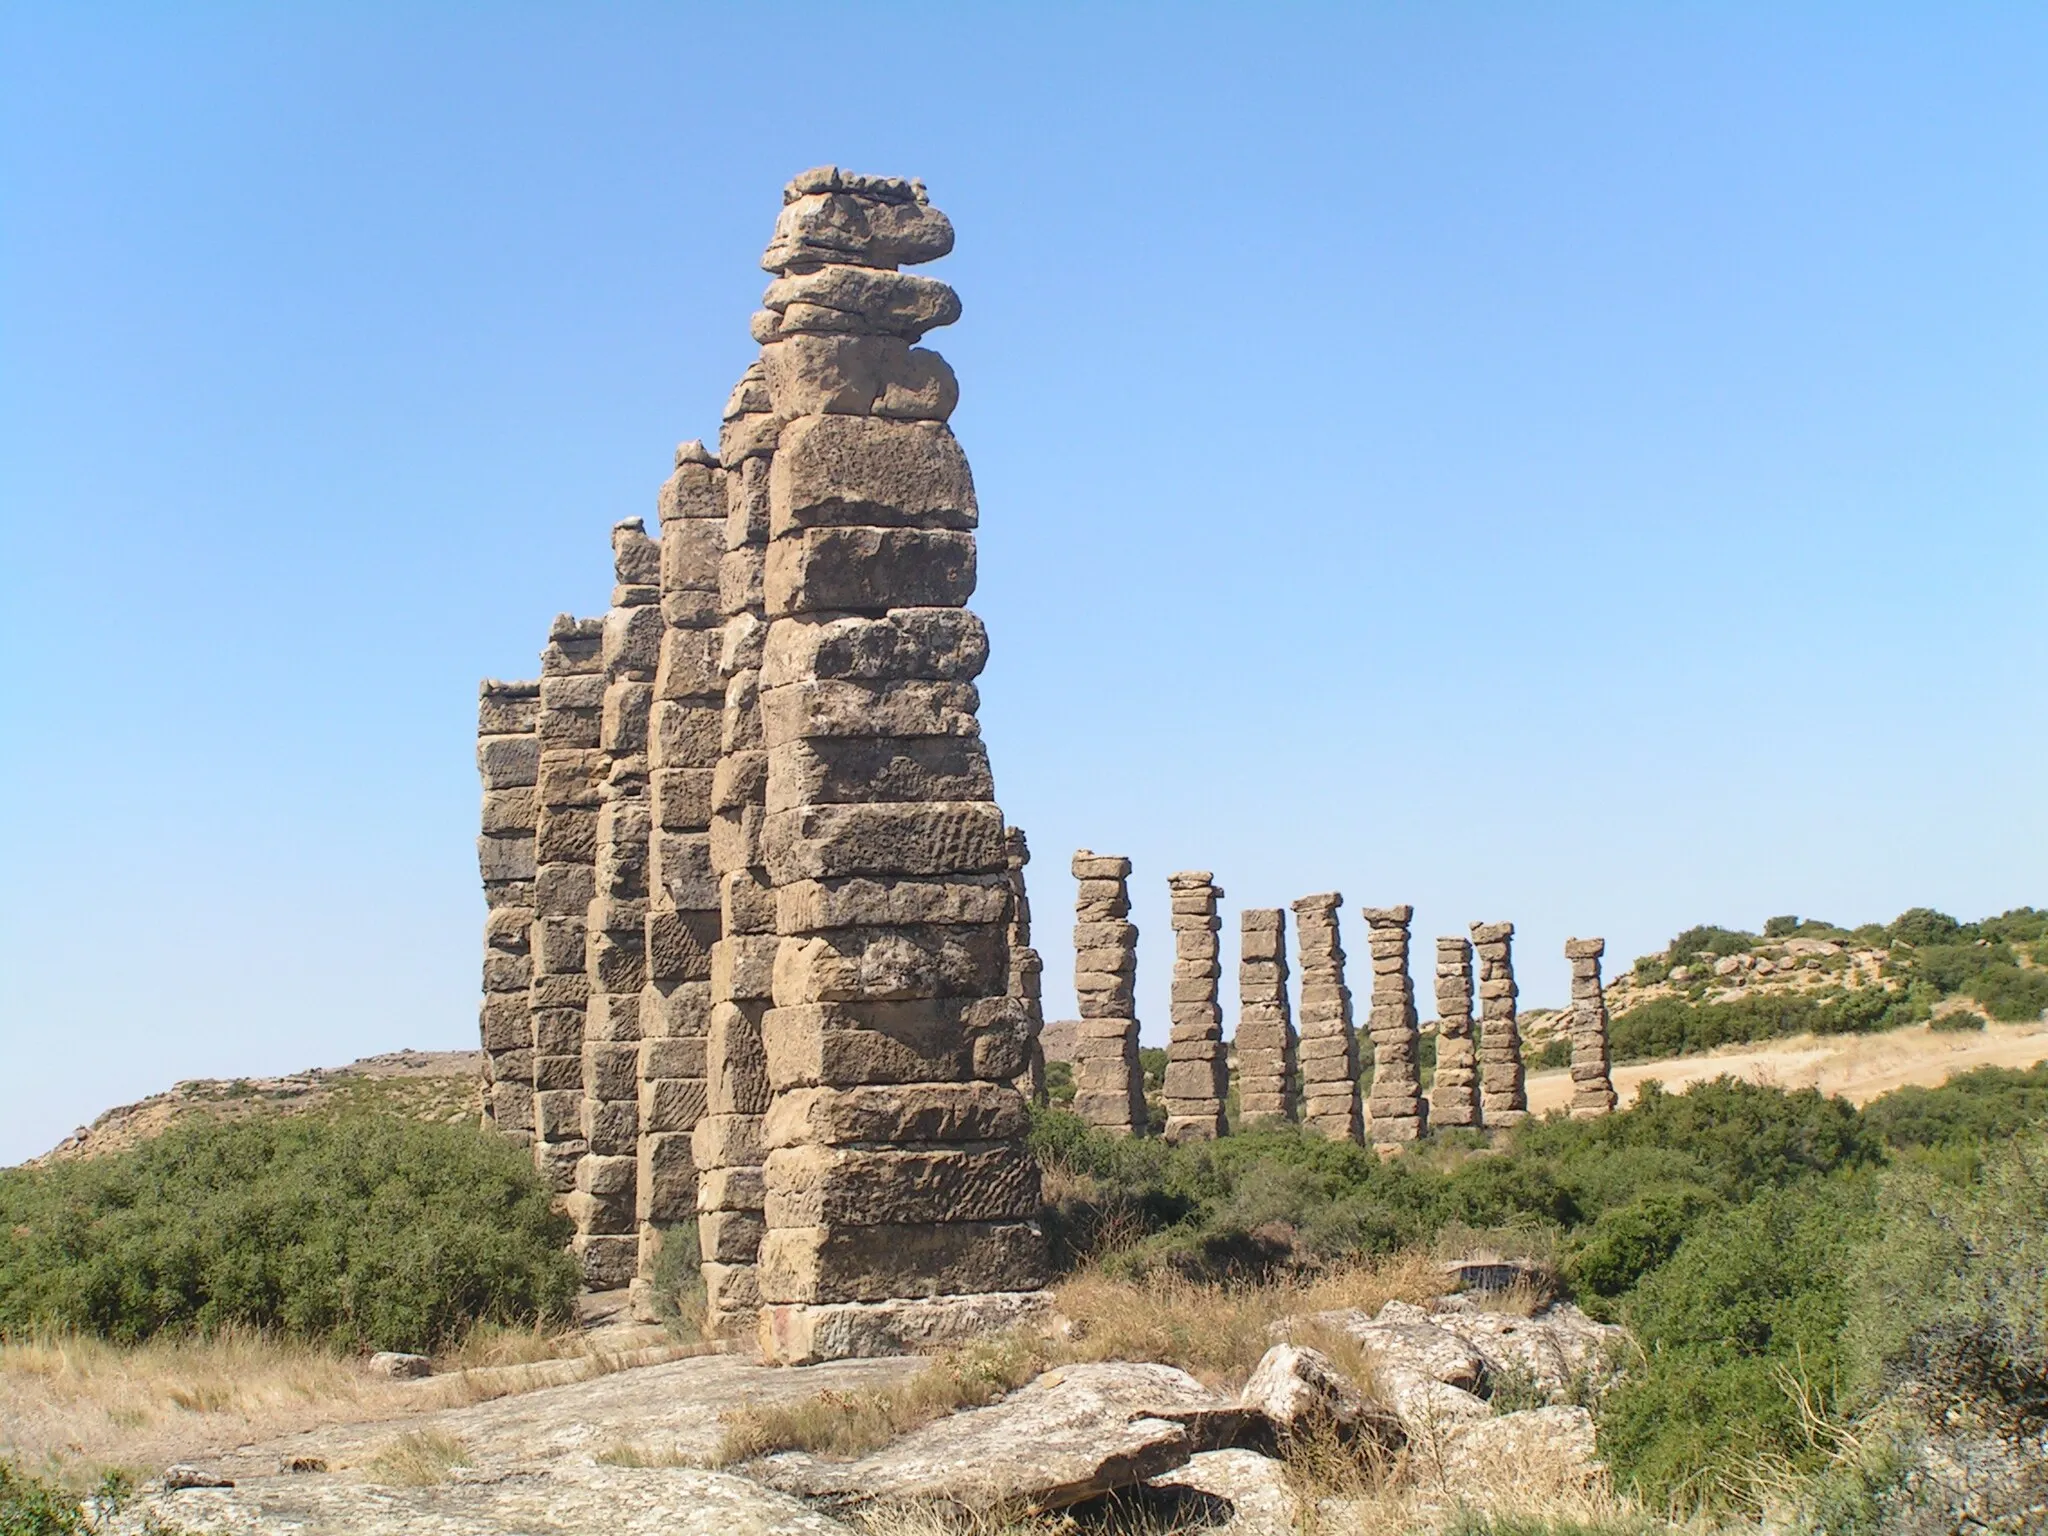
<point>896,1113</point>
<point>849,1044</point>
<point>841,1186</point>
<point>810,1264</point>
<point>867,570</point>
<point>824,842</point>
<point>856,471</point>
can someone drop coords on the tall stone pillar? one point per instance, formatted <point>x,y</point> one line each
<point>1454,1090</point>
<point>508,760</point>
<point>899,1195</point>
<point>1592,1086</point>
<point>682,899</point>
<point>1025,965</point>
<point>1109,1083</point>
<point>1197,1072</point>
<point>573,769</point>
<point>1396,1110</point>
<point>1265,1025</point>
<point>731,1195</point>
<point>1500,1039</point>
<point>1328,1048</point>
<point>615,941</point>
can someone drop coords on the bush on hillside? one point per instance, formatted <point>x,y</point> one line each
<point>1991,1104</point>
<point>364,1232</point>
<point>1677,1026</point>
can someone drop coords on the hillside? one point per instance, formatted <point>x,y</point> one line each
<point>434,1086</point>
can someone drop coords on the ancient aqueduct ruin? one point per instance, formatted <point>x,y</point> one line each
<point>758,952</point>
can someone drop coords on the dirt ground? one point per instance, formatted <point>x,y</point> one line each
<point>1858,1068</point>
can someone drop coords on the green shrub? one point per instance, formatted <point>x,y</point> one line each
<point>1957,1021</point>
<point>1923,925</point>
<point>1625,1243</point>
<point>363,1232</point>
<point>1988,1105</point>
<point>2010,993</point>
<point>1677,1026</point>
<point>31,1507</point>
<point>1718,942</point>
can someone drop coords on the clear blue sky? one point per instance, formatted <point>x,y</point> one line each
<point>1577,464</point>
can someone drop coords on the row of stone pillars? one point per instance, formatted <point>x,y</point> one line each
<point>1311,1074</point>
<point>758,952</point>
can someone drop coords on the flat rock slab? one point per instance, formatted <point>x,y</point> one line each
<point>530,1462</point>
<point>1072,1434</point>
<point>1253,1486</point>
<point>617,1501</point>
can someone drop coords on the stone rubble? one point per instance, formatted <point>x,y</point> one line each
<point>896,1168</point>
<point>1592,1084</point>
<point>1265,1043</point>
<point>1197,1068</point>
<point>1109,1083</point>
<point>1327,1051</point>
<point>1454,1087</point>
<point>508,760</point>
<point>1396,1110</point>
<point>1504,1096</point>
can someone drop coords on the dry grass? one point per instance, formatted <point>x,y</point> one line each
<point>848,1424</point>
<point>417,1458</point>
<point>634,1453</point>
<point>1217,1333</point>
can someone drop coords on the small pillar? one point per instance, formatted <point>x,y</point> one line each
<point>1109,1083</point>
<point>1504,1095</point>
<point>1592,1084</point>
<point>607,1239</point>
<point>1026,968</point>
<point>1265,1042</point>
<point>1454,1089</point>
<point>1396,1111</point>
<point>508,760</point>
<point>1197,1070</point>
<point>1328,1048</point>
<point>573,769</point>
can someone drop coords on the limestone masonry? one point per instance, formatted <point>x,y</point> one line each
<point>1396,1110</point>
<point>1328,1048</point>
<point>1592,1090</point>
<point>1454,1091</point>
<point>1265,1026</point>
<point>1197,1073</point>
<point>1500,1041</point>
<point>1109,1085</point>
<point>758,950</point>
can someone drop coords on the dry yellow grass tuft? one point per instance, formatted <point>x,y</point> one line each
<point>848,1424</point>
<point>417,1458</point>
<point>634,1453</point>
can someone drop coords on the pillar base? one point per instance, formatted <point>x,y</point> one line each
<point>804,1333</point>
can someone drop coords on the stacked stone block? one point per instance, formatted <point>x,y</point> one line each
<point>1109,1082</point>
<point>1026,967</point>
<point>1592,1086</point>
<point>615,936</point>
<point>1454,1089</point>
<point>1504,1095</point>
<point>573,769</point>
<point>1265,1041</point>
<point>731,1195</point>
<point>898,1193</point>
<point>1197,1069</point>
<point>1328,1047</point>
<point>508,760</point>
<point>1395,1110</point>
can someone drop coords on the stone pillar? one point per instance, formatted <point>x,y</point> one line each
<point>615,939</point>
<point>1328,1048</point>
<point>1025,965</point>
<point>573,768</point>
<point>1197,1072</point>
<point>1265,1025</point>
<point>508,759</point>
<point>1395,1111</point>
<point>1109,1083</point>
<point>1592,1088</point>
<point>730,1192</point>
<point>899,1194</point>
<point>1454,1090</point>
<point>682,899</point>
<point>1500,1040</point>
